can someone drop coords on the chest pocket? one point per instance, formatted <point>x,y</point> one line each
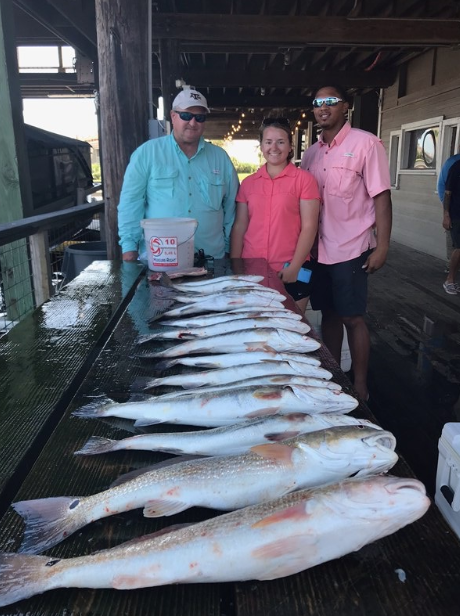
<point>162,181</point>
<point>344,178</point>
<point>212,191</point>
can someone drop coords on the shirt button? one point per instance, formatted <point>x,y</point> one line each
<point>189,194</point>
<point>189,178</point>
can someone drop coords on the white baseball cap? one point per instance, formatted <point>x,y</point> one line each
<point>190,98</point>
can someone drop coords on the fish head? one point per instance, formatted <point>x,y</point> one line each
<point>384,500</point>
<point>347,450</point>
<point>324,398</point>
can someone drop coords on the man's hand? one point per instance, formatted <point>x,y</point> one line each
<point>375,260</point>
<point>131,255</point>
<point>446,221</point>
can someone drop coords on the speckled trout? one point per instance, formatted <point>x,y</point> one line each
<point>226,482</point>
<point>227,440</point>
<point>263,542</point>
<point>223,407</point>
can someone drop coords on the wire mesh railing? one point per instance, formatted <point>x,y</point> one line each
<point>32,256</point>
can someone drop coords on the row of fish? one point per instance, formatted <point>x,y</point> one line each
<point>277,432</point>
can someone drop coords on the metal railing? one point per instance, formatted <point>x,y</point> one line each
<point>31,252</point>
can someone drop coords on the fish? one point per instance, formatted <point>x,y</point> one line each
<point>264,338</point>
<point>211,285</point>
<point>227,440</point>
<point>228,360</point>
<point>179,273</point>
<point>223,407</point>
<point>223,302</point>
<point>143,384</point>
<point>212,319</point>
<point>267,541</point>
<point>195,298</point>
<point>264,472</point>
<point>240,374</point>
<point>235,325</point>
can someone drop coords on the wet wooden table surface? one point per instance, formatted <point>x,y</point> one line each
<point>415,571</point>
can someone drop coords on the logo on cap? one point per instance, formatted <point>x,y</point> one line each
<point>195,95</point>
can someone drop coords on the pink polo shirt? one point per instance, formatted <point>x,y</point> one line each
<point>274,212</point>
<point>350,173</point>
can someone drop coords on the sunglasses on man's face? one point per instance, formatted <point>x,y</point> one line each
<point>280,121</point>
<point>329,101</point>
<point>187,116</point>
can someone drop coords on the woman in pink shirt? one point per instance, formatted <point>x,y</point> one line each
<point>277,212</point>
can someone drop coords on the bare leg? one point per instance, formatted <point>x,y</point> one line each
<point>359,341</point>
<point>302,304</point>
<point>454,264</point>
<point>332,333</point>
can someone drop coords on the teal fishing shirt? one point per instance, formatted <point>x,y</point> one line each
<point>161,182</point>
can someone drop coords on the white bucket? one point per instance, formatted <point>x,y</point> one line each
<point>169,242</point>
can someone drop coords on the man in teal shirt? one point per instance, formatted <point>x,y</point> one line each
<point>180,175</point>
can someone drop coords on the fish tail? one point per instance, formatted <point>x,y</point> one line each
<point>93,409</point>
<point>48,521</point>
<point>165,364</point>
<point>96,445</point>
<point>165,281</point>
<point>22,576</point>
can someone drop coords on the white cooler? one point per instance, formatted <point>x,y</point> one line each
<point>447,496</point>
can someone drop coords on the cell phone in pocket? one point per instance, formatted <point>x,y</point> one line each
<point>304,274</point>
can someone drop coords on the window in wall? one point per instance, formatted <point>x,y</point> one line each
<point>421,146</point>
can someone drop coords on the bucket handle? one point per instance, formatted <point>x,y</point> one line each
<point>189,238</point>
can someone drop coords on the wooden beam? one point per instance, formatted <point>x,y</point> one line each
<point>307,30</point>
<point>287,79</point>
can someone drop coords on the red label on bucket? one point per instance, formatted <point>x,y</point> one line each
<point>164,251</point>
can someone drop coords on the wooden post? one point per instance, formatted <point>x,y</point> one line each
<point>122,30</point>
<point>15,192</point>
<point>169,62</point>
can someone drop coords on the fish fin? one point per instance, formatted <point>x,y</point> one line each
<point>94,408</point>
<point>159,310</point>
<point>297,512</point>
<point>275,452</point>
<point>139,397</point>
<point>294,547</point>
<point>32,571</point>
<point>95,445</point>
<point>262,412</point>
<point>48,521</point>
<point>139,423</point>
<point>259,346</point>
<point>159,507</point>
<point>281,436</point>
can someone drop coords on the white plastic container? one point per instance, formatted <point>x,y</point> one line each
<point>447,496</point>
<point>169,242</point>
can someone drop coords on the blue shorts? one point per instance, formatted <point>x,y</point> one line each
<point>341,287</point>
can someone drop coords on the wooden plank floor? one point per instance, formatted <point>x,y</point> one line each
<point>415,357</point>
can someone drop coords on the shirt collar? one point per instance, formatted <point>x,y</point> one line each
<point>288,170</point>
<point>343,132</point>
<point>179,151</point>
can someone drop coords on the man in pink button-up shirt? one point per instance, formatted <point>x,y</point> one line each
<point>351,168</point>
